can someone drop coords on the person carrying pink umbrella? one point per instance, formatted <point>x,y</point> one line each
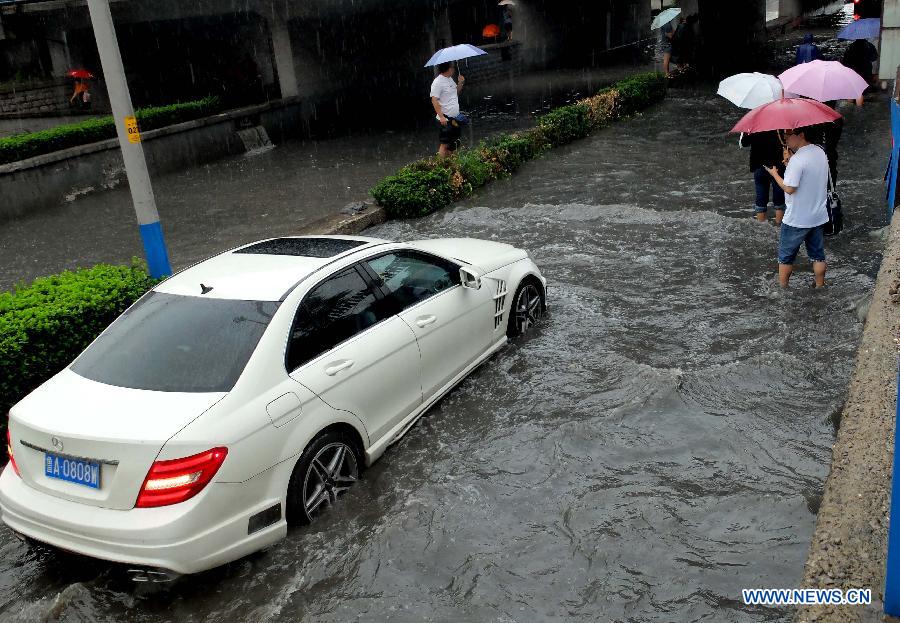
<point>805,182</point>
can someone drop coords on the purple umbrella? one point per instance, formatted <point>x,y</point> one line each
<point>869,28</point>
<point>823,81</point>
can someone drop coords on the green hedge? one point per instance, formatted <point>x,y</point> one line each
<point>23,146</point>
<point>427,185</point>
<point>45,325</point>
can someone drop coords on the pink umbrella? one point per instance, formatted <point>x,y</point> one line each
<point>785,114</point>
<point>823,81</point>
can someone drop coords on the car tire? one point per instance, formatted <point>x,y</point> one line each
<point>528,306</point>
<point>326,470</point>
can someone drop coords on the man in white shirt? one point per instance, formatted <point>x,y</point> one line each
<point>445,100</point>
<point>805,185</point>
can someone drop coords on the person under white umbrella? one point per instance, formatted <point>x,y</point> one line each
<point>750,90</point>
<point>667,22</point>
<point>445,93</point>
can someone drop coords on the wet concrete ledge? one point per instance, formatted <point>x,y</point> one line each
<point>849,545</point>
<point>48,179</point>
<point>347,224</point>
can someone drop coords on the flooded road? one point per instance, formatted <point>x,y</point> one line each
<point>658,444</point>
<point>223,204</point>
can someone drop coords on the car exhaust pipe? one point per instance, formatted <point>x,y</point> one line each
<point>155,576</point>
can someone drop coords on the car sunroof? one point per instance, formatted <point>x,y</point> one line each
<point>304,247</point>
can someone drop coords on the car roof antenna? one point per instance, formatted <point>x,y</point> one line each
<point>205,289</point>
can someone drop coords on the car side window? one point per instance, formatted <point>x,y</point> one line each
<point>335,310</point>
<point>410,277</point>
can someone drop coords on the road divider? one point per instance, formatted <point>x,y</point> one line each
<point>428,185</point>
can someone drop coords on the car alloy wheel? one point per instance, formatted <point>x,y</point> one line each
<point>332,471</point>
<point>527,309</point>
<point>325,471</point>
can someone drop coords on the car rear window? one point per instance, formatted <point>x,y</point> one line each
<point>175,343</point>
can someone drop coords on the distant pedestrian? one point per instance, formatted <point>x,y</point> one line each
<point>666,38</point>
<point>808,51</point>
<point>506,18</point>
<point>860,57</point>
<point>445,100</point>
<point>766,151</point>
<point>684,45</point>
<point>805,184</point>
<point>827,136</point>
<point>78,97</point>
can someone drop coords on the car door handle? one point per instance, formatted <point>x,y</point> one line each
<point>424,321</point>
<point>338,366</point>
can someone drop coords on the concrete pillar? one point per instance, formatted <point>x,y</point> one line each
<point>790,8</point>
<point>441,35</point>
<point>58,47</point>
<point>284,56</point>
<point>889,58</point>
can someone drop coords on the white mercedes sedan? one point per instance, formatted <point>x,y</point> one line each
<point>247,392</point>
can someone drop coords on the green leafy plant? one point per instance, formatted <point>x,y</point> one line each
<point>565,124</point>
<point>21,146</point>
<point>46,324</point>
<point>427,185</point>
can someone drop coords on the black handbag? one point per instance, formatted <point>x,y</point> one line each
<point>835,212</point>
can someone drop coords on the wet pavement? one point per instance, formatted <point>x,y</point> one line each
<point>658,444</point>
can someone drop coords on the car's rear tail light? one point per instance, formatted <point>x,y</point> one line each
<point>9,453</point>
<point>171,482</point>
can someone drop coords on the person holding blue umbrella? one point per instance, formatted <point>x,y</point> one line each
<point>445,94</point>
<point>445,100</point>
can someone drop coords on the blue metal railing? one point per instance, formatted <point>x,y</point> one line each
<point>892,572</point>
<point>891,176</point>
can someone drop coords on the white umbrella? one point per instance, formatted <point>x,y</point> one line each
<point>664,18</point>
<point>506,3</point>
<point>751,90</point>
<point>454,53</point>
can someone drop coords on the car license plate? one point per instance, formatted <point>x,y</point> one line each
<point>79,471</point>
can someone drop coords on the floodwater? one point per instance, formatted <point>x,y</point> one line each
<point>659,443</point>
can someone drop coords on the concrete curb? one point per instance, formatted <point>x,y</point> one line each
<point>849,545</point>
<point>346,225</point>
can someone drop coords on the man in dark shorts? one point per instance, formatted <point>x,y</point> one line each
<point>445,100</point>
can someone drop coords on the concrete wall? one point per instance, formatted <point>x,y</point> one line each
<point>503,61</point>
<point>35,98</point>
<point>43,181</point>
<point>850,540</point>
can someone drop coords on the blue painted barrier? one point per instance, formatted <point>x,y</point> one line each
<point>155,250</point>
<point>892,573</point>
<point>895,157</point>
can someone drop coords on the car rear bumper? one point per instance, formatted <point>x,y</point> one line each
<point>206,531</point>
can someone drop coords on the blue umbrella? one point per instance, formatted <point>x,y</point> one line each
<point>861,29</point>
<point>454,53</point>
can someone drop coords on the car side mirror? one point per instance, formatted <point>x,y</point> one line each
<point>470,278</point>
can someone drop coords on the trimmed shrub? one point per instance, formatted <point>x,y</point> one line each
<point>415,191</point>
<point>640,91</point>
<point>603,108</point>
<point>510,151</point>
<point>427,185</point>
<point>45,325</point>
<point>21,146</point>
<point>565,124</point>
